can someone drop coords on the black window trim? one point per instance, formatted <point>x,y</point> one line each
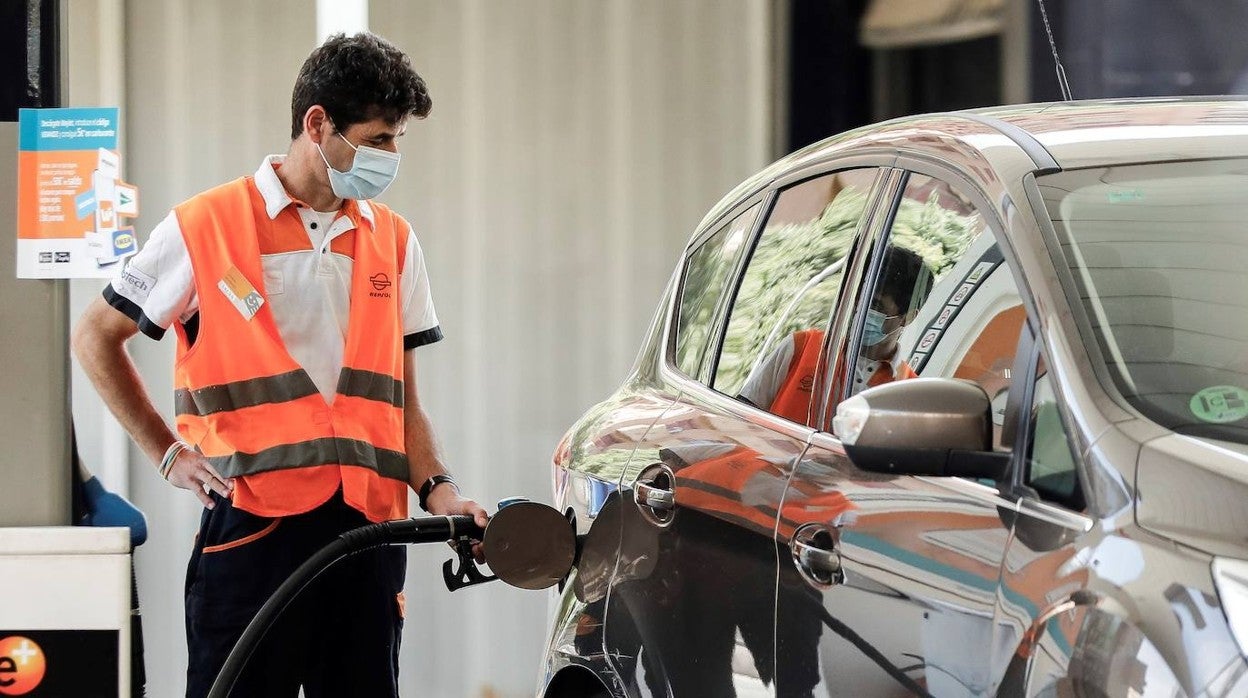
<point>1025,435</point>
<point>842,332</point>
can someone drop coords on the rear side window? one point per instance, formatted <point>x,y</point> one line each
<point>707,274</point>
<point>774,342</point>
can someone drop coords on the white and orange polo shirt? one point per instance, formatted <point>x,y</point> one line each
<point>307,267</point>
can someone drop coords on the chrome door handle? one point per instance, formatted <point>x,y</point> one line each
<point>816,555</point>
<point>654,497</point>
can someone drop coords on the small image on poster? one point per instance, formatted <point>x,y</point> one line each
<point>70,195</point>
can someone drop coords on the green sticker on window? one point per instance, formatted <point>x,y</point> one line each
<point>1220,404</point>
<point>1119,196</point>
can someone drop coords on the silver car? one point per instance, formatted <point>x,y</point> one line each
<point>955,405</point>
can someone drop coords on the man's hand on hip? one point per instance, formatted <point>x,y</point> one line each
<point>193,472</point>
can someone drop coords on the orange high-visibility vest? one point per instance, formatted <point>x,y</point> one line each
<point>715,486</point>
<point>249,407</point>
<point>793,399</point>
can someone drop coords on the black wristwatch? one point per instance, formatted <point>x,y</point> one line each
<point>427,488</point>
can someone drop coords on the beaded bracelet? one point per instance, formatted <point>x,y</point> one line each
<point>171,455</point>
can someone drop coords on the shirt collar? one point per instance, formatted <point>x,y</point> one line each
<point>276,199</point>
<point>894,361</point>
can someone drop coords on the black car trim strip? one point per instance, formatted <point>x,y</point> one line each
<point>1044,160</point>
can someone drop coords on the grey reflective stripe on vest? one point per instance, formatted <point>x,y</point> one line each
<point>371,385</point>
<point>326,451</point>
<point>228,397</point>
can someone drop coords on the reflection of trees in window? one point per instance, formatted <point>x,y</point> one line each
<point>934,230</point>
<point>710,267</point>
<point>787,258</point>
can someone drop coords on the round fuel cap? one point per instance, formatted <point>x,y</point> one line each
<point>529,545</point>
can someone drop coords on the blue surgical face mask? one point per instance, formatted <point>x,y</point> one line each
<point>371,173</point>
<point>873,330</point>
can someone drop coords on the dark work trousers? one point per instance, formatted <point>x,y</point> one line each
<point>340,637</point>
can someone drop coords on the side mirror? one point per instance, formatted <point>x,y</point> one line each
<point>921,426</point>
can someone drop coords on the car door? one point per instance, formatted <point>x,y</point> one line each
<point>903,574</point>
<point>691,606</point>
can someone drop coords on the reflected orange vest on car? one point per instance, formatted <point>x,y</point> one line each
<point>251,409</point>
<point>793,399</point>
<point>715,486</point>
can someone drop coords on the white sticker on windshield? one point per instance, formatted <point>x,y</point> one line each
<point>1220,404</point>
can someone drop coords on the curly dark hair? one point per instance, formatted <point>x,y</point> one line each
<point>901,276</point>
<point>358,78</point>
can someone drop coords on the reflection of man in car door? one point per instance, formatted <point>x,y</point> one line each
<point>782,382</point>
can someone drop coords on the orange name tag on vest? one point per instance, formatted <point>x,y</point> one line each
<point>241,293</point>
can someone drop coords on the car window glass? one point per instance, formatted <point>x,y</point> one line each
<point>1157,257</point>
<point>943,301</point>
<point>1051,463</point>
<point>774,338</point>
<point>707,274</point>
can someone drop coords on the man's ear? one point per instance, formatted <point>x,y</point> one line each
<point>316,124</point>
<point>910,316</point>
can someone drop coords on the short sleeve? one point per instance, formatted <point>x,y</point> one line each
<point>420,321</point>
<point>156,287</point>
<point>764,383</point>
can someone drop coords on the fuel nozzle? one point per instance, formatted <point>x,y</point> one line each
<point>526,544</point>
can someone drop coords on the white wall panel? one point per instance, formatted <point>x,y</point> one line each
<point>571,148</point>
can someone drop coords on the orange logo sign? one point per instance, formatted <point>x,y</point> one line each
<point>22,665</point>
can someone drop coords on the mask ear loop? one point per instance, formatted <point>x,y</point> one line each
<point>323,158</point>
<point>344,140</point>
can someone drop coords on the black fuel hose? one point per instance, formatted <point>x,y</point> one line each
<point>429,529</point>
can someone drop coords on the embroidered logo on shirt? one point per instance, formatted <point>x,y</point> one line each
<point>134,284</point>
<point>381,282</point>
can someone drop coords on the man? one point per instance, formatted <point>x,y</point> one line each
<point>297,304</point>
<point>783,382</point>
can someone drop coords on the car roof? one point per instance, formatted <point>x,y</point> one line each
<point>1109,132</point>
<point>1044,136</point>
